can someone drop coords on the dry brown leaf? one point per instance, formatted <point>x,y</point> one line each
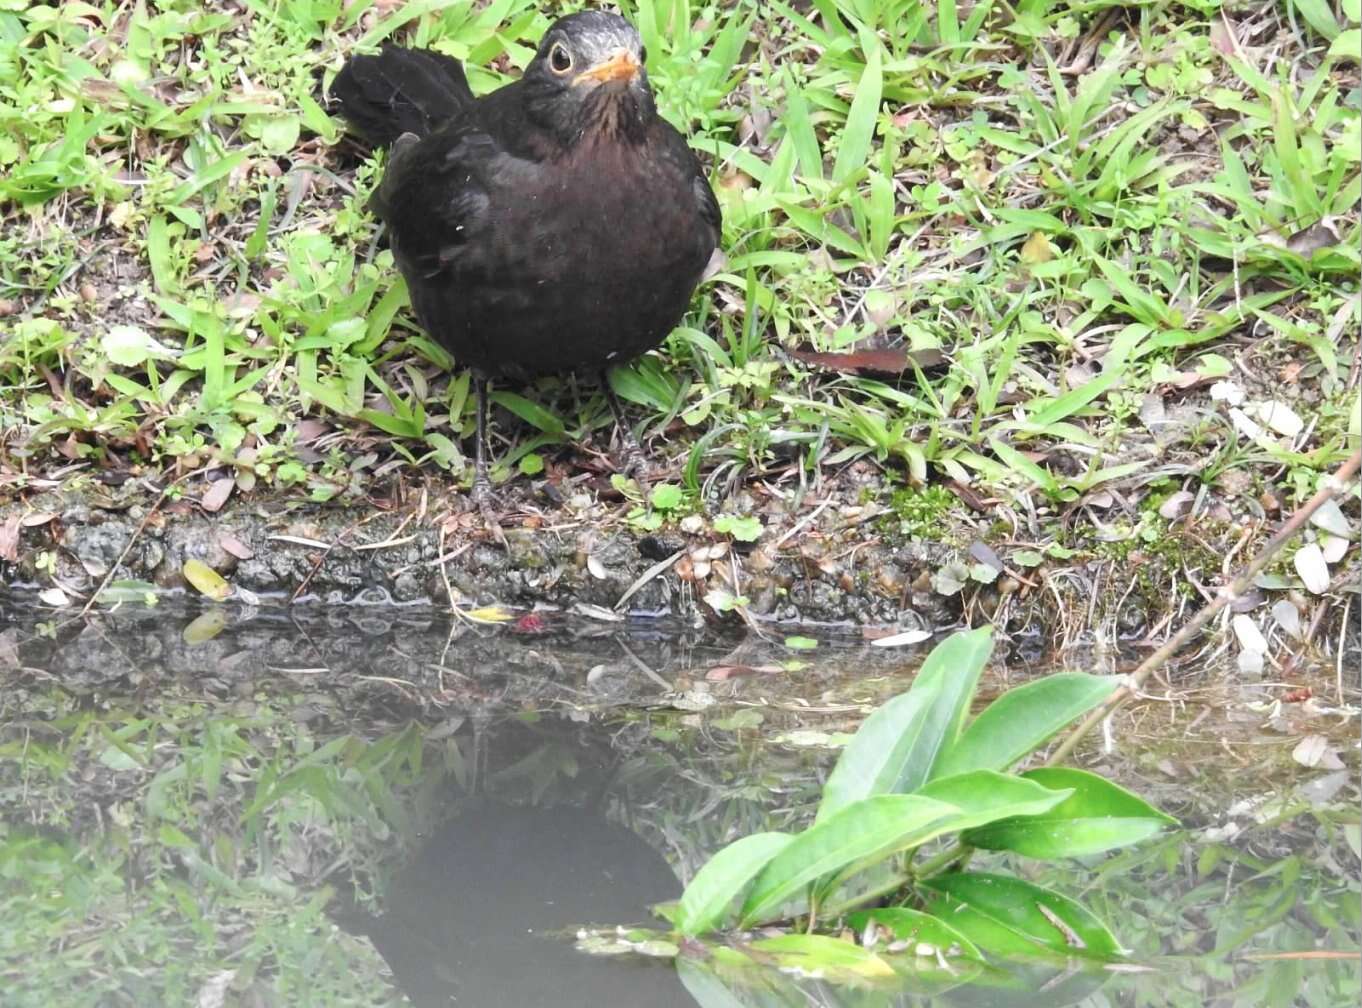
<point>9,539</point>
<point>231,544</point>
<point>888,362</point>
<point>216,495</point>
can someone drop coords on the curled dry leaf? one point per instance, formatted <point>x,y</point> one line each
<point>1312,568</point>
<point>35,518</point>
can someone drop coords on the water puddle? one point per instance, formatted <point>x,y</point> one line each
<point>380,807</point>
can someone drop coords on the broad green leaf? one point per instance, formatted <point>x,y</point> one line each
<point>875,827</point>
<point>985,796</point>
<point>894,749</point>
<point>879,755</point>
<point>822,954</point>
<point>956,663</point>
<point>979,797</point>
<point>1016,919</point>
<point>918,928</point>
<point>722,878</point>
<point>1022,719</point>
<point>1096,816</point>
<point>206,580</point>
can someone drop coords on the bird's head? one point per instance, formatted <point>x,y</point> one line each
<point>587,79</point>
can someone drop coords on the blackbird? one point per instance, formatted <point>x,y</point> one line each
<point>555,225</point>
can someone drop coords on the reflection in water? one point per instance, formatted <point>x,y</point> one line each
<point>469,921</point>
<point>486,911</point>
<point>175,810</point>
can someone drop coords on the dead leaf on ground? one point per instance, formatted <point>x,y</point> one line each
<point>1330,517</point>
<point>888,362</point>
<point>9,539</point>
<point>1312,568</point>
<point>54,597</point>
<point>1037,249</point>
<point>902,639</point>
<point>205,580</point>
<point>216,495</point>
<point>1176,505</point>
<point>231,544</point>
<point>720,673</point>
<point>1307,241</point>
<point>1315,751</point>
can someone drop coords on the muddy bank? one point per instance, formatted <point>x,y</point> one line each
<point>852,558</point>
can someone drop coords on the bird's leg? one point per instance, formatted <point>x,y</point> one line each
<point>482,487</point>
<point>634,462</point>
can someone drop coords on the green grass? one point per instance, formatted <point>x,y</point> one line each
<point>190,279</point>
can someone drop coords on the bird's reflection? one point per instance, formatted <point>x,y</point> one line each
<point>477,918</point>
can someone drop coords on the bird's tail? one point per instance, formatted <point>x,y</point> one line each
<point>399,91</point>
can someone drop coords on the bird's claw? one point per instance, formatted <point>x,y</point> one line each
<point>484,501</point>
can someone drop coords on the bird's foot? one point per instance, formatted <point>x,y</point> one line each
<point>485,502</point>
<point>633,461</point>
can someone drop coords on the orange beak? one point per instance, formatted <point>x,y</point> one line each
<point>620,67</point>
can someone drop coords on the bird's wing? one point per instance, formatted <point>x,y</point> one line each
<point>433,197</point>
<point>672,146</point>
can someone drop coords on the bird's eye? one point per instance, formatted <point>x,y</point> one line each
<point>560,59</point>
<point>643,54</point>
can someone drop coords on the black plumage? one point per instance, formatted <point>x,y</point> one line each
<point>557,224</point>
